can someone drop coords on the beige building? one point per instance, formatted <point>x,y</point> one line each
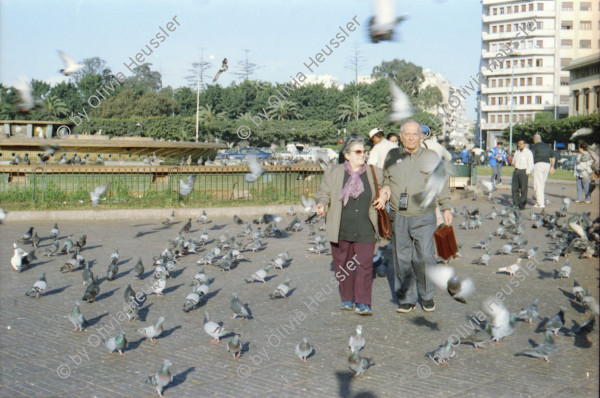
<point>584,85</point>
<point>525,46</point>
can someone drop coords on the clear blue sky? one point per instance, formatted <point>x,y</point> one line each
<point>444,36</point>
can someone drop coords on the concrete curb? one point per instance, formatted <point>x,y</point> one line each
<point>142,214</point>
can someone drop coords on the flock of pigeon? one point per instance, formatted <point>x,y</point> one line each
<point>225,255</point>
<point>569,235</point>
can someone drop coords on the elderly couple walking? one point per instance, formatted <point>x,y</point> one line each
<point>347,197</point>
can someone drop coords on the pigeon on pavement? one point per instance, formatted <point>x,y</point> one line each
<point>162,378</point>
<point>304,349</point>
<point>39,287</point>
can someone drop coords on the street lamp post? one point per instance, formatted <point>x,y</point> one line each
<point>512,91</point>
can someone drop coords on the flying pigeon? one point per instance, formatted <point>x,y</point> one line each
<point>25,93</point>
<point>435,184</point>
<point>382,24</point>
<point>444,277</point>
<point>358,364</point>
<point>581,132</point>
<point>76,318</point>
<point>585,328</point>
<point>400,106</point>
<point>2,215</point>
<point>186,187</point>
<point>304,349</point>
<point>255,170</point>
<point>224,67</point>
<point>39,287</point>
<point>544,350</point>
<point>162,378</point>
<point>70,65</point>
<point>96,193</point>
<point>152,331</point>
<point>235,347</point>
<point>501,320</point>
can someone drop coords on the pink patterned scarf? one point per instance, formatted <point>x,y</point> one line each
<point>354,186</point>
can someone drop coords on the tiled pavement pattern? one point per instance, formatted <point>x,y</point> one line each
<point>37,343</point>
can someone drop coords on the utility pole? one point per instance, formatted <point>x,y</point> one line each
<point>197,103</point>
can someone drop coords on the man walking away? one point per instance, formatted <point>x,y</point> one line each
<point>523,162</point>
<point>381,147</point>
<point>464,155</point>
<point>543,159</point>
<point>497,158</point>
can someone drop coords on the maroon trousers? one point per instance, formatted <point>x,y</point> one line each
<point>353,268</point>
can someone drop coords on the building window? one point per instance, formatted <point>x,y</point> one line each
<point>494,29</point>
<point>585,25</point>
<point>529,99</point>
<point>531,7</point>
<point>528,116</point>
<point>500,83</point>
<point>494,47</point>
<point>493,101</point>
<point>585,44</point>
<point>516,9</point>
<point>529,43</point>
<point>514,118</point>
<point>509,10</point>
<point>495,11</point>
<point>521,117</point>
<point>564,81</point>
<point>538,81</point>
<point>521,100</point>
<point>508,64</point>
<point>539,63</point>
<point>522,82</point>
<point>516,26</point>
<point>539,25</point>
<point>539,44</point>
<point>501,10</point>
<point>585,6</point>
<point>508,27</point>
<point>524,8</point>
<point>566,25</point>
<point>506,118</point>
<point>507,82</point>
<point>566,43</point>
<point>492,118</point>
<point>522,63</point>
<point>500,100</point>
<point>565,61</point>
<point>538,99</point>
<point>530,81</point>
<point>564,99</point>
<point>530,63</point>
<point>540,7</point>
<point>567,6</point>
<point>493,83</point>
<point>501,28</point>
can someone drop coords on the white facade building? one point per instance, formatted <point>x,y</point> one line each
<point>524,46</point>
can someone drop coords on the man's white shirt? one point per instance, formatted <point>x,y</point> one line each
<point>524,160</point>
<point>379,152</point>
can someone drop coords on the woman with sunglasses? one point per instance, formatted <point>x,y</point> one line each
<point>346,196</point>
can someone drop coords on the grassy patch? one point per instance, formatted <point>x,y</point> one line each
<point>559,174</point>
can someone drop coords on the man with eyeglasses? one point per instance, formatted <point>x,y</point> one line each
<point>414,226</point>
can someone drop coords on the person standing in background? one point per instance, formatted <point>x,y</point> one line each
<point>497,158</point>
<point>392,137</point>
<point>523,162</point>
<point>464,155</point>
<point>381,147</point>
<point>543,159</point>
<point>583,172</point>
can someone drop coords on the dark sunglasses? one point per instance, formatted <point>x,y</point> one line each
<point>359,152</point>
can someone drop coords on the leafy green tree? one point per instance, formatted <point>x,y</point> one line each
<point>430,97</point>
<point>54,106</point>
<point>186,101</point>
<point>144,79</point>
<point>353,110</point>
<point>406,75</point>
<point>285,111</point>
<point>70,95</point>
<point>208,114</point>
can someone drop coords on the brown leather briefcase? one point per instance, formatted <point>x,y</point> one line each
<point>445,242</point>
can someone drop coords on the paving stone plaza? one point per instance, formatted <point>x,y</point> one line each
<point>40,356</point>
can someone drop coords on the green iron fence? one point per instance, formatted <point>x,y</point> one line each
<point>56,187</point>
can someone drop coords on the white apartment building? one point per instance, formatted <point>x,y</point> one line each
<point>457,129</point>
<point>525,45</point>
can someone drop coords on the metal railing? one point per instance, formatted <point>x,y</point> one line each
<point>55,187</point>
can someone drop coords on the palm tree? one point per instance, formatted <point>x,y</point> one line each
<point>354,110</point>
<point>54,105</point>
<point>208,114</point>
<point>285,111</point>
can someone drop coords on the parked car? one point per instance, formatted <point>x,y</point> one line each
<point>310,155</point>
<point>243,153</point>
